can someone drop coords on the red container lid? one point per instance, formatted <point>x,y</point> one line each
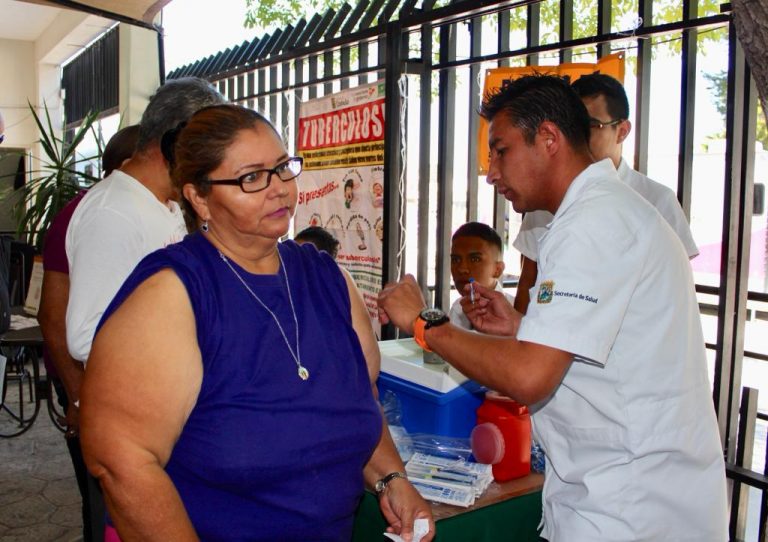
<point>487,443</point>
<point>507,402</point>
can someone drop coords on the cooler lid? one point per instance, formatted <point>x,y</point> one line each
<point>404,359</point>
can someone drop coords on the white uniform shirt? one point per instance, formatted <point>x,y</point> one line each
<point>457,316</point>
<point>630,434</point>
<point>118,222</point>
<point>665,201</point>
<point>535,223</point>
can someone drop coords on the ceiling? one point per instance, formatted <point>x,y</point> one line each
<point>24,21</point>
<point>27,19</point>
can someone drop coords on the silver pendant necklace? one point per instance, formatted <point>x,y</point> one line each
<point>302,371</point>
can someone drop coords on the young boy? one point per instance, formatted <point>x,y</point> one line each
<point>475,254</point>
<point>321,238</point>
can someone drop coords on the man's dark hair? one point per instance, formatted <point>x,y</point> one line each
<point>172,103</point>
<point>119,148</point>
<point>321,238</point>
<point>530,100</point>
<point>596,84</point>
<point>480,230</point>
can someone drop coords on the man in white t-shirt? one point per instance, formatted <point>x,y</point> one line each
<point>608,109</point>
<point>476,256</point>
<point>610,355</point>
<point>129,214</point>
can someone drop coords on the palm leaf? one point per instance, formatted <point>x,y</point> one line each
<point>55,180</point>
<point>47,138</point>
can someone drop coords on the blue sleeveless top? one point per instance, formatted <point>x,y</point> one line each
<point>265,455</point>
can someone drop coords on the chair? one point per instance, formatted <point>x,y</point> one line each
<point>20,347</point>
<point>22,257</point>
<point>5,269</point>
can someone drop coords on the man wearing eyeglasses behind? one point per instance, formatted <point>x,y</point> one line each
<point>608,109</point>
<point>129,214</point>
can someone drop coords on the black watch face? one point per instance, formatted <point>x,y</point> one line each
<point>432,315</point>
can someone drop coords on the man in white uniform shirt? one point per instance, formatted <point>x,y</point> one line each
<point>608,109</point>
<point>127,215</point>
<point>610,354</point>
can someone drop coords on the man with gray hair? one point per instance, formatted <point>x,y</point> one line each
<point>129,214</point>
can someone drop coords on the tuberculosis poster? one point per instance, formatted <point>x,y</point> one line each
<point>612,65</point>
<point>341,138</point>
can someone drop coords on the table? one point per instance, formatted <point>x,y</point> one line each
<point>509,511</point>
<point>24,345</point>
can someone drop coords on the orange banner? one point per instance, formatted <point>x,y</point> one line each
<point>612,65</point>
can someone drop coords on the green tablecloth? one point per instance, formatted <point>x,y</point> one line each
<point>512,520</point>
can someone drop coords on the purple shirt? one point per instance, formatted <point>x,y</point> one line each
<point>55,254</point>
<point>264,455</point>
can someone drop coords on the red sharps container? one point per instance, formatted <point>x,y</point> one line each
<point>502,437</point>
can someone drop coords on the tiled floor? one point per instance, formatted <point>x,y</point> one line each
<point>39,499</point>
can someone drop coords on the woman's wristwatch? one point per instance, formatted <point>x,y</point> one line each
<point>427,318</point>
<point>382,484</point>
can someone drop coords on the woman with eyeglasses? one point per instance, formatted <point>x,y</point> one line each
<point>243,368</point>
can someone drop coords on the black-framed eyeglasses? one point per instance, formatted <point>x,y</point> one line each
<point>259,179</point>
<point>594,123</point>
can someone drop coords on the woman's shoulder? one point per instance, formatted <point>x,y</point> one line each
<point>189,249</point>
<point>183,257</point>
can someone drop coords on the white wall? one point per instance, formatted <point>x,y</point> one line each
<point>18,76</point>
<point>139,71</point>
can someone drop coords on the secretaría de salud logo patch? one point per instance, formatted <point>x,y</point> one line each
<point>546,292</point>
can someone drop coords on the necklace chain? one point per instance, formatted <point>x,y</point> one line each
<point>302,371</point>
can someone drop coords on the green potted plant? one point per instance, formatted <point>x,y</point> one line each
<point>56,180</point>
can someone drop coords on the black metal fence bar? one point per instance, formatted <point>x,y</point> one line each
<point>744,455</point>
<point>273,96</point>
<point>603,26</point>
<point>566,28</point>
<point>288,124</point>
<point>533,34</point>
<point>687,109</point>
<point>393,164</point>
<point>473,122</point>
<point>425,139</point>
<point>642,108</point>
<point>500,204</point>
<point>728,358</point>
<point>445,158</point>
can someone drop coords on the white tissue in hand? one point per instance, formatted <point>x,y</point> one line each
<point>420,528</point>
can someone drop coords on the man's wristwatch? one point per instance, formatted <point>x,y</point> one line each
<point>381,485</point>
<point>427,318</point>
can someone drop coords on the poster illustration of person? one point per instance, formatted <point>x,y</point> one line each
<point>352,182</point>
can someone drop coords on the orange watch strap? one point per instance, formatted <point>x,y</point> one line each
<point>418,333</point>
